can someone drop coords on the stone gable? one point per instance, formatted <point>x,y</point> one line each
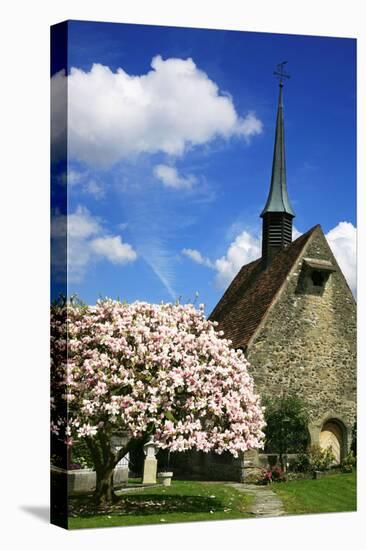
<point>306,343</point>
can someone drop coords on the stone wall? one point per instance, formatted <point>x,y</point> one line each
<point>206,466</point>
<point>84,480</point>
<point>307,343</point>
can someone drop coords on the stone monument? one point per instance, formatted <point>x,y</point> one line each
<point>150,463</point>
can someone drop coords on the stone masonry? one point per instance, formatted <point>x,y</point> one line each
<point>307,343</point>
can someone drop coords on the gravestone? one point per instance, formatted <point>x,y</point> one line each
<point>150,463</point>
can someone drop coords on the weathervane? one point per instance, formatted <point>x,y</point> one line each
<point>280,72</point>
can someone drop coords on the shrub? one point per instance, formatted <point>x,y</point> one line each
<point>278,474</point>
<point>265,477</point>
<point>320,459</point>
<point>286,431</point>
<point>348,463</point>
<point>301,463</point>
<point>272,475</point>
<point>81,455</point>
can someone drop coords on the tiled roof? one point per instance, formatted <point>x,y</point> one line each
<point>249,296</point>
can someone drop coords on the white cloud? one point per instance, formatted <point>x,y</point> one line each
<point>114,115</point>
<point>243,250</point>
<point>295,233</point>
<point>93,187</point>
<point>170,177</point>
<point>197,257</point>
<point>113,249</point>
<point>87,242</point>
<point>246,247</point>
<point>74,177</point>
<point>82,225</point>
<point>342,240</point>
<point>86,183</point>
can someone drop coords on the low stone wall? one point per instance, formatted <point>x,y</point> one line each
<point>83,481</point>
<point>268,460</point>
<point>255,462</point>
<point>214,467</point>
<point>197,465</point>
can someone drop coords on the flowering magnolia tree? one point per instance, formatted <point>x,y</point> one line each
<point>146,369</point>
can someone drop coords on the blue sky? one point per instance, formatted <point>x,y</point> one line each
<point>169,161</point>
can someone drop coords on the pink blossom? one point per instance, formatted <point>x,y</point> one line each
<point>132,366</point>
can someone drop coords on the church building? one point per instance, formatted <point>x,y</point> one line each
<point>293,314</point>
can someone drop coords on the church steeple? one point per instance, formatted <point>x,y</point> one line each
<point>277,214</point>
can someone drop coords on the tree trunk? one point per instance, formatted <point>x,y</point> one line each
<point>105,459</point>
<point>104,493</point>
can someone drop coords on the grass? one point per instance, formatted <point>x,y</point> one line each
<point>182,501</point>
<point>336,493</point>
<point>199,501</point>
<point>134,480</point>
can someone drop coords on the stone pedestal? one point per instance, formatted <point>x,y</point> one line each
<point>150,464</point>
<point>150,469</point>
<point>250,469</point>
<point>165,478</point>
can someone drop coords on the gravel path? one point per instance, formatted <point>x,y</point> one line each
<point>266,503</point>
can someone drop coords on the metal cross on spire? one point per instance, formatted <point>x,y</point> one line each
<point>280,72</point>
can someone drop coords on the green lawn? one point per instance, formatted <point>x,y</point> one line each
<point>182,501</point>
<point>200,501</point>
<point>336,493</point>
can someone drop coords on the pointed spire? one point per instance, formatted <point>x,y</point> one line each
<point>277,214</point>
<point>278,200</point>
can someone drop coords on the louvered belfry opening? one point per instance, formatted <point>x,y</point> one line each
<point>277,234</point>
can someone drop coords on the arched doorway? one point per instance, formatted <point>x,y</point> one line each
<point>331,435</point>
